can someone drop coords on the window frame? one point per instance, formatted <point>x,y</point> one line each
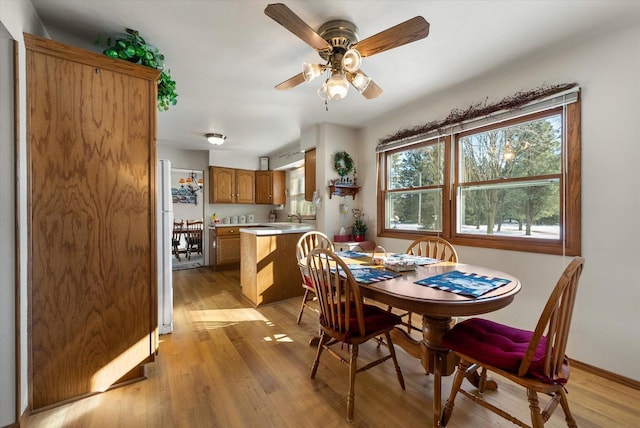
<point>570,215</point>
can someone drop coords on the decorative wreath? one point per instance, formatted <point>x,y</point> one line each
<point>343,163</point>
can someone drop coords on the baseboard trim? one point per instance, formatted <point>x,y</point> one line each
<point>631,383</point>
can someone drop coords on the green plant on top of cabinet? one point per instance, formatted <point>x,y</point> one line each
<point>270,186</point>
<point>231,186</point>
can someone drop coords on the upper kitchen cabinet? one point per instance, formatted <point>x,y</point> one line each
<point>270,186</point>
<point>91,231</point>
<point>309,174</point>
<point>229,186</point>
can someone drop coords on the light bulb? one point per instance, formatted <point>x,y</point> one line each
<point>360,82</point>
<point>351,60</point>
<point>337,86</point>
<point>322,92</point>
<point>311,71</point>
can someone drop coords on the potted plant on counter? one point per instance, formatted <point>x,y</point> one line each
<point>359,227</point>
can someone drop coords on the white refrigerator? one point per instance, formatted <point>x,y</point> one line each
<point>165,236</point>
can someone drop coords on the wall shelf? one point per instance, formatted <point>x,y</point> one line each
<point>343,190</point>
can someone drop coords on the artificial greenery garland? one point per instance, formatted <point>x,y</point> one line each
<point>343,163</point>
<point>133,48</point>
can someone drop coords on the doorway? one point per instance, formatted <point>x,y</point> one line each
<point>187,190</point>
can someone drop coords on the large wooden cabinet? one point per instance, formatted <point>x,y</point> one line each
<point>270,187</point>
<point>230,185</point>
<point>91,159</point>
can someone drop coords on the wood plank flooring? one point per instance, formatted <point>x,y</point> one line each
<point>229,365</point>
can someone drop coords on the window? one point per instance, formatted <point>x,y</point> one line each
<point>297,203</point>
<point>413,201</point>
<point>512,185</point>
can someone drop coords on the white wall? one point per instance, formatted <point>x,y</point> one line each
<point>332,139</point>
<point>607,67</point>
<point>17,17</point>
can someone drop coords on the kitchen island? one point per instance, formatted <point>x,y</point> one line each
<point>268,265</point>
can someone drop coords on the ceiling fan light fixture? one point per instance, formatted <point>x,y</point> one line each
<point>322,91</point>
<point>311,71</point>
<point>215,138</point>
<point>360,82</point>
<point>337,86</point>
<point>351,60</point>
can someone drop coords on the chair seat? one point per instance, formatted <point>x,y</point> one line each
<point>376,320</point>
<point>496,344</point>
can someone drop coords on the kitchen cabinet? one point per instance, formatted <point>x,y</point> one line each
<point>225,249</point>
<point>309,174</point>
<point>92,165</point>
<point>231,186</point>
<point>270,187</point>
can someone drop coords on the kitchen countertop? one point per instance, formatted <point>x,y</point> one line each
<point>277,228</point>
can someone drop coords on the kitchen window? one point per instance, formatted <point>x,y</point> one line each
<point>295,187</point>
<point>513,184</point>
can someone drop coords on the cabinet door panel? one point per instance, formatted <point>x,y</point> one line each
<point>228,249</point>
<point>309,174</point>
<point>263,187</point>
<point>222,185</point>
<point>245,186</point>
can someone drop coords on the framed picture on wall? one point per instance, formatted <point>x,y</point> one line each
<point>264,164</point>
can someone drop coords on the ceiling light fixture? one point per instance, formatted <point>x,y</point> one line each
<point>311,71</point>
<point>335,87</point>
<point>215,138</point>
<point>351,60</point>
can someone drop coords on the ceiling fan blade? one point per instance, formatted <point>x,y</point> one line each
<point>290,83</point>
<point>409,31</point>
<point>292,22</point>
<point>371,91</point>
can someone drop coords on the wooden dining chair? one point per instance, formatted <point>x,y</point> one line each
<point>345,319</point>
<point>435,248</point>
<point>194,237</point>
<point>535,359</point>
<point>176,238</point>
<point>306,243</point>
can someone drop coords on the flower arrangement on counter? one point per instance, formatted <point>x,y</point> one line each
<point>359,227</point>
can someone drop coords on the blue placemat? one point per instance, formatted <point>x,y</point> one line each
<point>466,284</point>
<point>370,275</point>
<point>418,260</point>
<point>350,254</point>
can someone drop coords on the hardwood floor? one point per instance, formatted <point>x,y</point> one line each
<point>229,365</point>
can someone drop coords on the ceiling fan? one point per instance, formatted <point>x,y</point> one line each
<point>338,44</point>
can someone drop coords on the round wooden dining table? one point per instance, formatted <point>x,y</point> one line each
<point>438,309</point>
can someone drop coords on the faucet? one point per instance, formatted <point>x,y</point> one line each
<point>298,216</point>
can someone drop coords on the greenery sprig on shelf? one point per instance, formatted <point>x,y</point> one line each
<point>133,48</point>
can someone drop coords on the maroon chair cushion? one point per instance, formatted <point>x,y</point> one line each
<point>375,319</point>
<point>307,282</point>
<point>495,344</point>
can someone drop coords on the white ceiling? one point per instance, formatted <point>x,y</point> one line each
<point>227,55</point>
